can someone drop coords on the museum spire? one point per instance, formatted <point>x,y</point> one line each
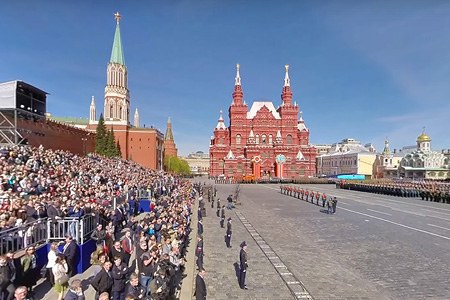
<point>237,93</point>
<point>286,94</point>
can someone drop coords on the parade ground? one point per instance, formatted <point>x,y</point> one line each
<point>374,247</point>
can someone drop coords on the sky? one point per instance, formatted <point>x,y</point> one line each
<point>360,69</point>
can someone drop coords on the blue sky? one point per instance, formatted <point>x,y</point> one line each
<point>360,69</point>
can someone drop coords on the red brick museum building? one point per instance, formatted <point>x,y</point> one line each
<point>264,142</point>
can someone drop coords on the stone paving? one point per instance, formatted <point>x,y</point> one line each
<point>344,256</point>
<point>221,263</point>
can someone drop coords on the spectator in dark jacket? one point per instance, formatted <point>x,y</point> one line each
<point>119,274</point>
<point>75,292</point>
<point>99,235</point>
<point>6,286</point>
<point>70,252</point>
<point>133,288</point>
<point>103,281</point>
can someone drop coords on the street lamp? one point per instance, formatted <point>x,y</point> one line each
<point>84,145</point>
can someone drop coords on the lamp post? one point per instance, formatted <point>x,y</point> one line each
<point>84,145</point>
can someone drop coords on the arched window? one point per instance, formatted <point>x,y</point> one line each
<point>238,139</point>
<point>263,139</point>
<point>270,139</point>
<point>221,141</point>
<point>111,111</point>
<point>289,139</point>
<point>257,139</point>
<point>120,112</point>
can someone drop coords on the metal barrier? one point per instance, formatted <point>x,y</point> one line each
<point>19,238</point>
<point>87,226</point>
<point>59,229</point>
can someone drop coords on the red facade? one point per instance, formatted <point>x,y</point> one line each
<point>264,142</point>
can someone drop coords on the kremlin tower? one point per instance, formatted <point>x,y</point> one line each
<point>142,145</point>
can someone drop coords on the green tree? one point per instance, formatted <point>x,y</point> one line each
<point>119,152</point>
<point>111,146</point>
<point>101,137</point>
<point>176,165</point>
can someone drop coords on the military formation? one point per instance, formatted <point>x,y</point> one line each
<point>427,191</point>
<point>311,196</point>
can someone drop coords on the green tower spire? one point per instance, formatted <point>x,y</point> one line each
<point>117,50</point>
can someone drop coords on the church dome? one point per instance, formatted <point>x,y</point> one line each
<point>423,138</point>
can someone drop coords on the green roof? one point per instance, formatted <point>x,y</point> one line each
<point>117,50</point>
<point>70,120</point>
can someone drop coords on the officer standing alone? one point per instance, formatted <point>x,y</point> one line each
<point>228,234</point>
<point>222,216</point>
<point>243,265</point>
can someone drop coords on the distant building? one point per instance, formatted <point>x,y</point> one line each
<point>198,163</point>
<point>387,162</point>
<point>264,141</point>
<point>347,157</point>
<point>322,149</point>
<point>423,163</point>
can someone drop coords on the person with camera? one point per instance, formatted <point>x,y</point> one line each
<point>159,285</point>
<point>75,291</point>
<point>148,264</point>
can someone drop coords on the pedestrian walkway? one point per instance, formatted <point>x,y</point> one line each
<point>222,263</point>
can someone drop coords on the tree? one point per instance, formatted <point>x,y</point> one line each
<point>176,165</point>
<point>111,146</point>
<point>119,152</point>
<point>101,137</point>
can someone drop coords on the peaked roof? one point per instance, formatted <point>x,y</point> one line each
<point>169,134</point>
<point>260,104</point>
<point>230,155</point>
<point>300,156</point>
<point>117,50</point>
<point>220,123</point>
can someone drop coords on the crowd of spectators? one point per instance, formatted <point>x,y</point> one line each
<point>39,185</point>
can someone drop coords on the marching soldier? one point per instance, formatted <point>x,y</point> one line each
<point>317,198</point>
<point>324,199</point>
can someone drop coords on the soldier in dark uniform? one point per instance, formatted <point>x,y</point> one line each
<point>228,234</point>
<point>199,252</point>
<point>243,265</point>
<point>218,207</point>
<point>334,204</point>
<point>222,216</point>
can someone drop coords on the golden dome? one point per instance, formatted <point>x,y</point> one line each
<point>423,138</point>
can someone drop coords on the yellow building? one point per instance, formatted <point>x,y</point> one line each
<point>348,157</point>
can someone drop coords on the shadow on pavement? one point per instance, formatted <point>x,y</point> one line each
<point>40,290</point>
<point>237,271</point>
